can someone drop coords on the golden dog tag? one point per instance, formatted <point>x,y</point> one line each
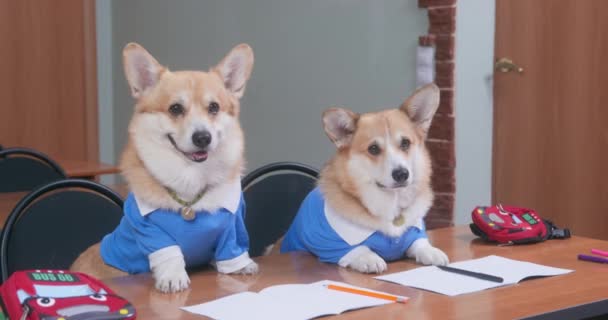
<point>187,213</point>
<point>399,221</point>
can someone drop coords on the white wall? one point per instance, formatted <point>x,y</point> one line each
<point>309,55</point>
<point>105,94</point>
<point>474,69</point>
<point>355,53</point>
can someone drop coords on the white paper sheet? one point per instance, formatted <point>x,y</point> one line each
<point>434,279</point>
<point>289,301</point>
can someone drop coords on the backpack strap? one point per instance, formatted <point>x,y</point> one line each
<point>478,232</point>
<point>553,232</point>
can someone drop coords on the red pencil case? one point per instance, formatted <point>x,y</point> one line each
<point>513,225</point>
<point>61,295</point>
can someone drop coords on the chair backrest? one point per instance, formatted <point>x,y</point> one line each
<point>23,169</point>
<point>53,224</point>
<point>273,194</point>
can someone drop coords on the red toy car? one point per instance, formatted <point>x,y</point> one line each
<point>61,295</point>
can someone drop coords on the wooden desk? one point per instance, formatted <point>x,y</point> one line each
<point>587,284</point>
<point>86,169</point>
<point>8,200</point>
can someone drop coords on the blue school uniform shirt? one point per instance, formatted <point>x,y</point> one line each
<point>322,232</point>
<point>218,236</point>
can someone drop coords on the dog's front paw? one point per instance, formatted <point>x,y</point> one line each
<point>431,255</point>
<point>370,263</point>
<point>425,253</point>
<point>363,260</point>
<point>174,281</point>
<point>251,268</point>
<point>169,269</point>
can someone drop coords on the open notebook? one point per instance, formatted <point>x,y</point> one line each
<point>434,279</point>
<point>288,301</point>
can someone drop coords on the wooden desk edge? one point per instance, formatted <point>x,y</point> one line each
<point>76,173</point>
<point>86,169</point>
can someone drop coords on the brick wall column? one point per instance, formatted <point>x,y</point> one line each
<point>440,140</point>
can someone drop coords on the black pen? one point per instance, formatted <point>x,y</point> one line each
<point>477,275</point>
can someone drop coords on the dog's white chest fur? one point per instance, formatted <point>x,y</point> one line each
<point>388,205</point>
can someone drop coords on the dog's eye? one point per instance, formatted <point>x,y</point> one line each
<point>214,108</point>
<point>405,143</point>
<point>374,149</point>
<point>176,109</point>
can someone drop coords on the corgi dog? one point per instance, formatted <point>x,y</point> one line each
<point>183,164</point>
<point>374,193</point>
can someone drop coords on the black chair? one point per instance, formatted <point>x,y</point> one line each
<point>53,224</point>
<point>273,194</point>
<point>23,169</point>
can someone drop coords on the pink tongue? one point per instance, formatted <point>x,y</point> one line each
<point>199,155</point>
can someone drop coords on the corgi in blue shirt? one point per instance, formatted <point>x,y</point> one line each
<point>183,162</point>
<point>374,192</point>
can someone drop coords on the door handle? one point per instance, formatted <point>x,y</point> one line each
<point>507,65</point>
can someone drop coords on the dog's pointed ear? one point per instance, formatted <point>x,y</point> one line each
<point>340,125</point>
<point>235,69</point>
<point>421,106</point>
<point>141,69</point>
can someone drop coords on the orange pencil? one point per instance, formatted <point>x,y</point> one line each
<point>368,293</point>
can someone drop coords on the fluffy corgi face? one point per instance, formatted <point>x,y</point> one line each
<point>385,149</point>
<point>193,115</point>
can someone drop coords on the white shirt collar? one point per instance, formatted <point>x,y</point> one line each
<point>350,232</point>
<point>144,208</point>
<point>227,196</point>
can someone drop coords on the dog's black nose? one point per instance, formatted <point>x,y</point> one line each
<point>400,175</point>
<point>201,139</point>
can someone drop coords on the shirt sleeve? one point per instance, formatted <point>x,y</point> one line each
<point>420,229</point>
<point>311,231</point>
<point>149,236</point>
<point>413,233</point>
<point>327,245</point>
<point>232,249</point>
